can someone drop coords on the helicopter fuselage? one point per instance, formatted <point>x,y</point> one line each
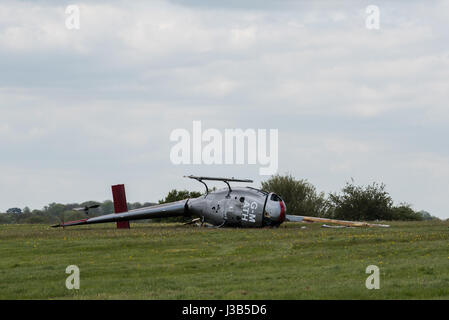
<point>239,207</point>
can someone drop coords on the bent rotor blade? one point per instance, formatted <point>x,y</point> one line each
<point>293,218</point>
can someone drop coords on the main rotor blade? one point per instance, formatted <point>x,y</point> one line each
<point>219,179</point>
<point>293,218</point>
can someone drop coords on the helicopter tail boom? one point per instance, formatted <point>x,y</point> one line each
<point>173,209</point>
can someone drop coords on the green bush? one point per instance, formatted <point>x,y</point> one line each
<point>361,203</point>
<point>404,212</point>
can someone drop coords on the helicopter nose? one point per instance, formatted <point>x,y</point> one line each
<point>275,209</point>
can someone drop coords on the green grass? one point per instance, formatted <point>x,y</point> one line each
<point>170,261</point>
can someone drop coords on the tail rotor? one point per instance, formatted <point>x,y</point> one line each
<point>87,208</point>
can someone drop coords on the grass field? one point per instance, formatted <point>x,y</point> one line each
<point>171,261</point>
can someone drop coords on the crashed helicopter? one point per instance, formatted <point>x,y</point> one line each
<point>244,207</point>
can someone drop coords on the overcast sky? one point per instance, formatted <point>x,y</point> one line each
<point>81,110</point>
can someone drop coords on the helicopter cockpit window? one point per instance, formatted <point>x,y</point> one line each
<point>275,197</point>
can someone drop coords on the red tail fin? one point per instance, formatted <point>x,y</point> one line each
<point>119,196</point>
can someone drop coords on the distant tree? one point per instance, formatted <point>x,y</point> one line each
<point>5,218</point>
<point>427,216</point>
<point>361,203</point>
<point>56,212</point>
<point>54,209</point>
<point>404,212</point>
<point>70,215</point>
<point>300,196</point>
<point>134,205</point>
<point>36,219</point>
<point>14,210</point>
<point>107,207</point>
<point>176,195</point>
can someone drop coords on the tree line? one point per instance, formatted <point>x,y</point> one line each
<point>55,213</point>
<point>362,203</point>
